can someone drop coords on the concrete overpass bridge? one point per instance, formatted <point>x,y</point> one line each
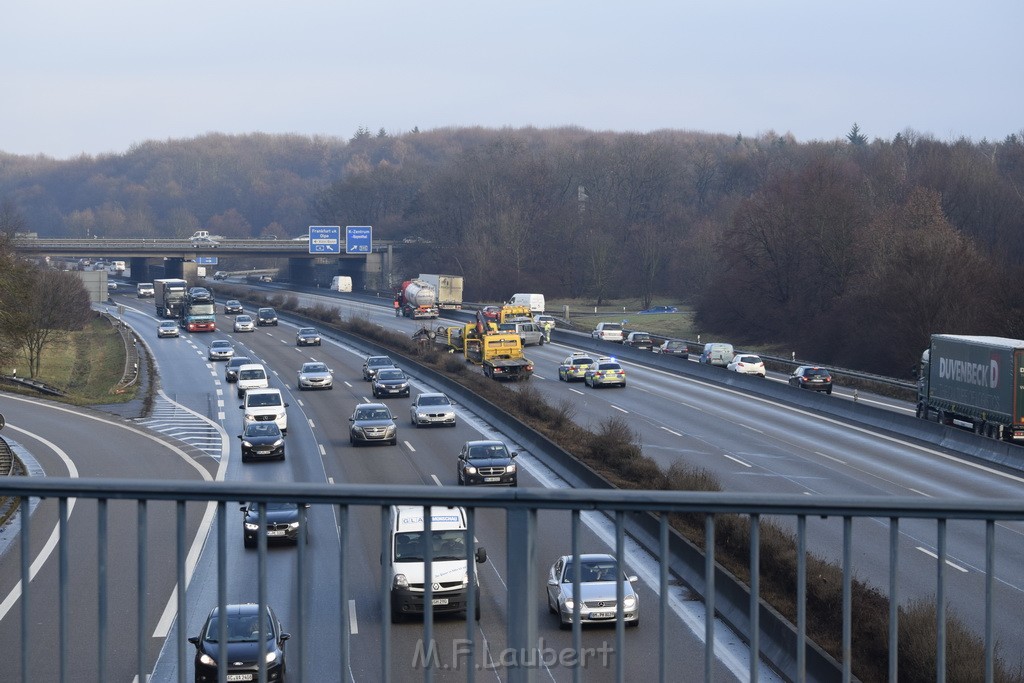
<point>181,257</point>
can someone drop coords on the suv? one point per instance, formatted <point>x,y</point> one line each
<point>608,332</point>
<point>486,462</point>
<point>372,423</point>
<point>811,377</point>
<point>265,405</point>
<point>529,332</point>
<point>575,366</point>
<point>605,372</point>
<point>266,316</point>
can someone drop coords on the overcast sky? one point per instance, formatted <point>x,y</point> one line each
<point>97,77</point>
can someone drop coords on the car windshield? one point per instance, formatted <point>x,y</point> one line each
<point>373,414</point>
<point>602,570</point>
<point>314,367</point>
<point>748,359</point>
<point>579,361</point>
<point>445,545</point>
<point>243,319</point>
<point>487,451</point>
<point>252,374</point>
<point>168,325</point>
<point>263,400</point>
<point>673,345</point>
<point>378,362</point>
<point>816,372</point>
<point>611,326</point>
<point>233,302</point>
<point>242,628</point>
<point>238,361</point>
<point>609,366</point>
<point>262,429</point>
<point>390,374</point>
<point>307,330</point>
<point>433,400</point>
<point>220,345</point>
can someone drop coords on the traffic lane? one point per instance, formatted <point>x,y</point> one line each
<point>98,447</point>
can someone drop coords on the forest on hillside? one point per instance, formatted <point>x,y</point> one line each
<point>852,251</point>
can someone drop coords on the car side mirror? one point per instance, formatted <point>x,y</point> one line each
<point>285,405</point>
<point>632,578</point>
<point>241,405</point>
<point>240,436</point>
<point>481,555</point>
<point>242,508</point>
<point>194,640</point>
<point>514,454</point>
<point>552,581</point>
<point>285,636</point>
<point>351,419</point>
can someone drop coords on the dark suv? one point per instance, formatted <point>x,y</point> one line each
<point>488,463</point>
<point>811,377</point>
<point>266,316</point>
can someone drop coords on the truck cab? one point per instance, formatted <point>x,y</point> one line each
<point>447,545</point>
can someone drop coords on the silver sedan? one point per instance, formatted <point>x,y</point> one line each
<point>315,375</point>
<point>432,409</point>
<point>599,574</point>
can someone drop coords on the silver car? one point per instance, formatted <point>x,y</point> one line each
<point>244,323</point>
<point>220,349</point>
<point>315,375</point>
<point>432,409</point>
<point>599,577</point>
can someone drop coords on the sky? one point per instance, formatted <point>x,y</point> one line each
<point>99,77</point>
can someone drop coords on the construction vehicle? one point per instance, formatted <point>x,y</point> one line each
<point>498,353</point>
<point>417,299</point>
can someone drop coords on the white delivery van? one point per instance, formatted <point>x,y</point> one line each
<point>535,302</point>
<point>251,376</point>
<point>341,283</point>
<point>404,567</point>
<point>717,353</point>
<point>264,405</point>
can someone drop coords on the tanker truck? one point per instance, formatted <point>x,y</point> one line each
<point>974,380</point>
<point>417,299</point>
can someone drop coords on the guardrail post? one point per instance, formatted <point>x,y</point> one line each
<point>522,605</point>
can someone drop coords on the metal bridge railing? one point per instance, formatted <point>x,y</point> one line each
<point>800,660</point>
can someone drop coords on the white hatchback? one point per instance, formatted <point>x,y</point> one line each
<point>747,364</point>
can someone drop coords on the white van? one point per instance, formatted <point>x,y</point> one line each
<point>251,376</point>
<point>404,565</point>
<point>717,353</point>
<point>535,302</point>
<point>341,283</point>
<point>265,405</point>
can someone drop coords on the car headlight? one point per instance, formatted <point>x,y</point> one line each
<point>510,469</point>
<point>293,525</point>
<point>271,657</point>
<point>391,429</point>
<point>465,580</point>
<point>207,660</point>
<point>569,604</point>
<point>629,602</point>
<point>403,385</point>
<point>279,442</point>
<point>246,444</point>
<point>358,431</point>
<point>400,581</point>
<point>470,470</point>
<point>251,526</point>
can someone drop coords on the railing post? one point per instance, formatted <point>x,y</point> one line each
<point>522,607</point>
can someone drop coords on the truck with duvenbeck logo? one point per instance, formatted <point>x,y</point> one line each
<point>976,381</point>
<point>198,312</point>
<point>449,549</point>
<point>169,297</point>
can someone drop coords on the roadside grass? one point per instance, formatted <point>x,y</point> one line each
<point>615,452</point>
<point>86,365</point>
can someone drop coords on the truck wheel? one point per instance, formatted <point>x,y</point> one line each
<point>921,411</point>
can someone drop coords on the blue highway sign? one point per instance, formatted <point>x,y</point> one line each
<point>358,239</point>
<point>206,260</point>
<point>325,239</point>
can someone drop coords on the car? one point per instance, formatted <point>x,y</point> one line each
<point>487,463</point>
<point>639,340</point>
<point>265,405</point>
<point>811,377</point>
<point>530,332</point>
<point>266,316</point>
<point>307,336</point>
<point>145,290</point>
<point>167,328</point>
<point>231,369</point>
<point>608,332</point>
<point>266,278</point>
<point>244,323</point>
<point>658,309</point>
<point>111,286</point>
<point>251,376</point>
<point>315,375</point>
<point>491,312</point>
<point>372,423</point>
<point>432,408</point>
<point>248,643</point>
<point>747,364</point>
<point>673,347</point>
<point>220,349</point>
<point>233,307</point>
<point>605,372</point>
<point>390,382</point>
<point>574,366</point>
<point>262,440</point>
<point>220,275</point>
<point>599,580</point>
<point>374,363</point>
<point>199,295</point>
<point>284,524</point>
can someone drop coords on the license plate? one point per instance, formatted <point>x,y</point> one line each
<point>239,677</point>
<point>439,601</point>
<point>275,532</point>
<point>601,615</point>
<point>491,479</point>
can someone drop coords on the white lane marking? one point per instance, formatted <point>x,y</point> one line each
<point>353,624</point>
<point>621,410</point>
<point>920,493</point>
<point>577,391</point>
<point>409,446</point>
<point>436,480</point>
<point>323,451</point>
<point>929,553</point>
<point>830,457</point>
<point>736,460</point>
<point>330,480</point>
<point>671,432</point>
<point>311,425</point>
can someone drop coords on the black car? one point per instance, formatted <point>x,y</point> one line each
<point>673,347</point>
<point>390,382</point>
<point>488,463</point>
<point>232,307</point>
<point>266,316</point>
<point>262,440</point>
<point>284,523</point>
<point>372,423</point>
<point>374,363</point>
<point>811,377</point>
<point>231,369</point>
<point>248,642</point>
<point>307,336</point>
